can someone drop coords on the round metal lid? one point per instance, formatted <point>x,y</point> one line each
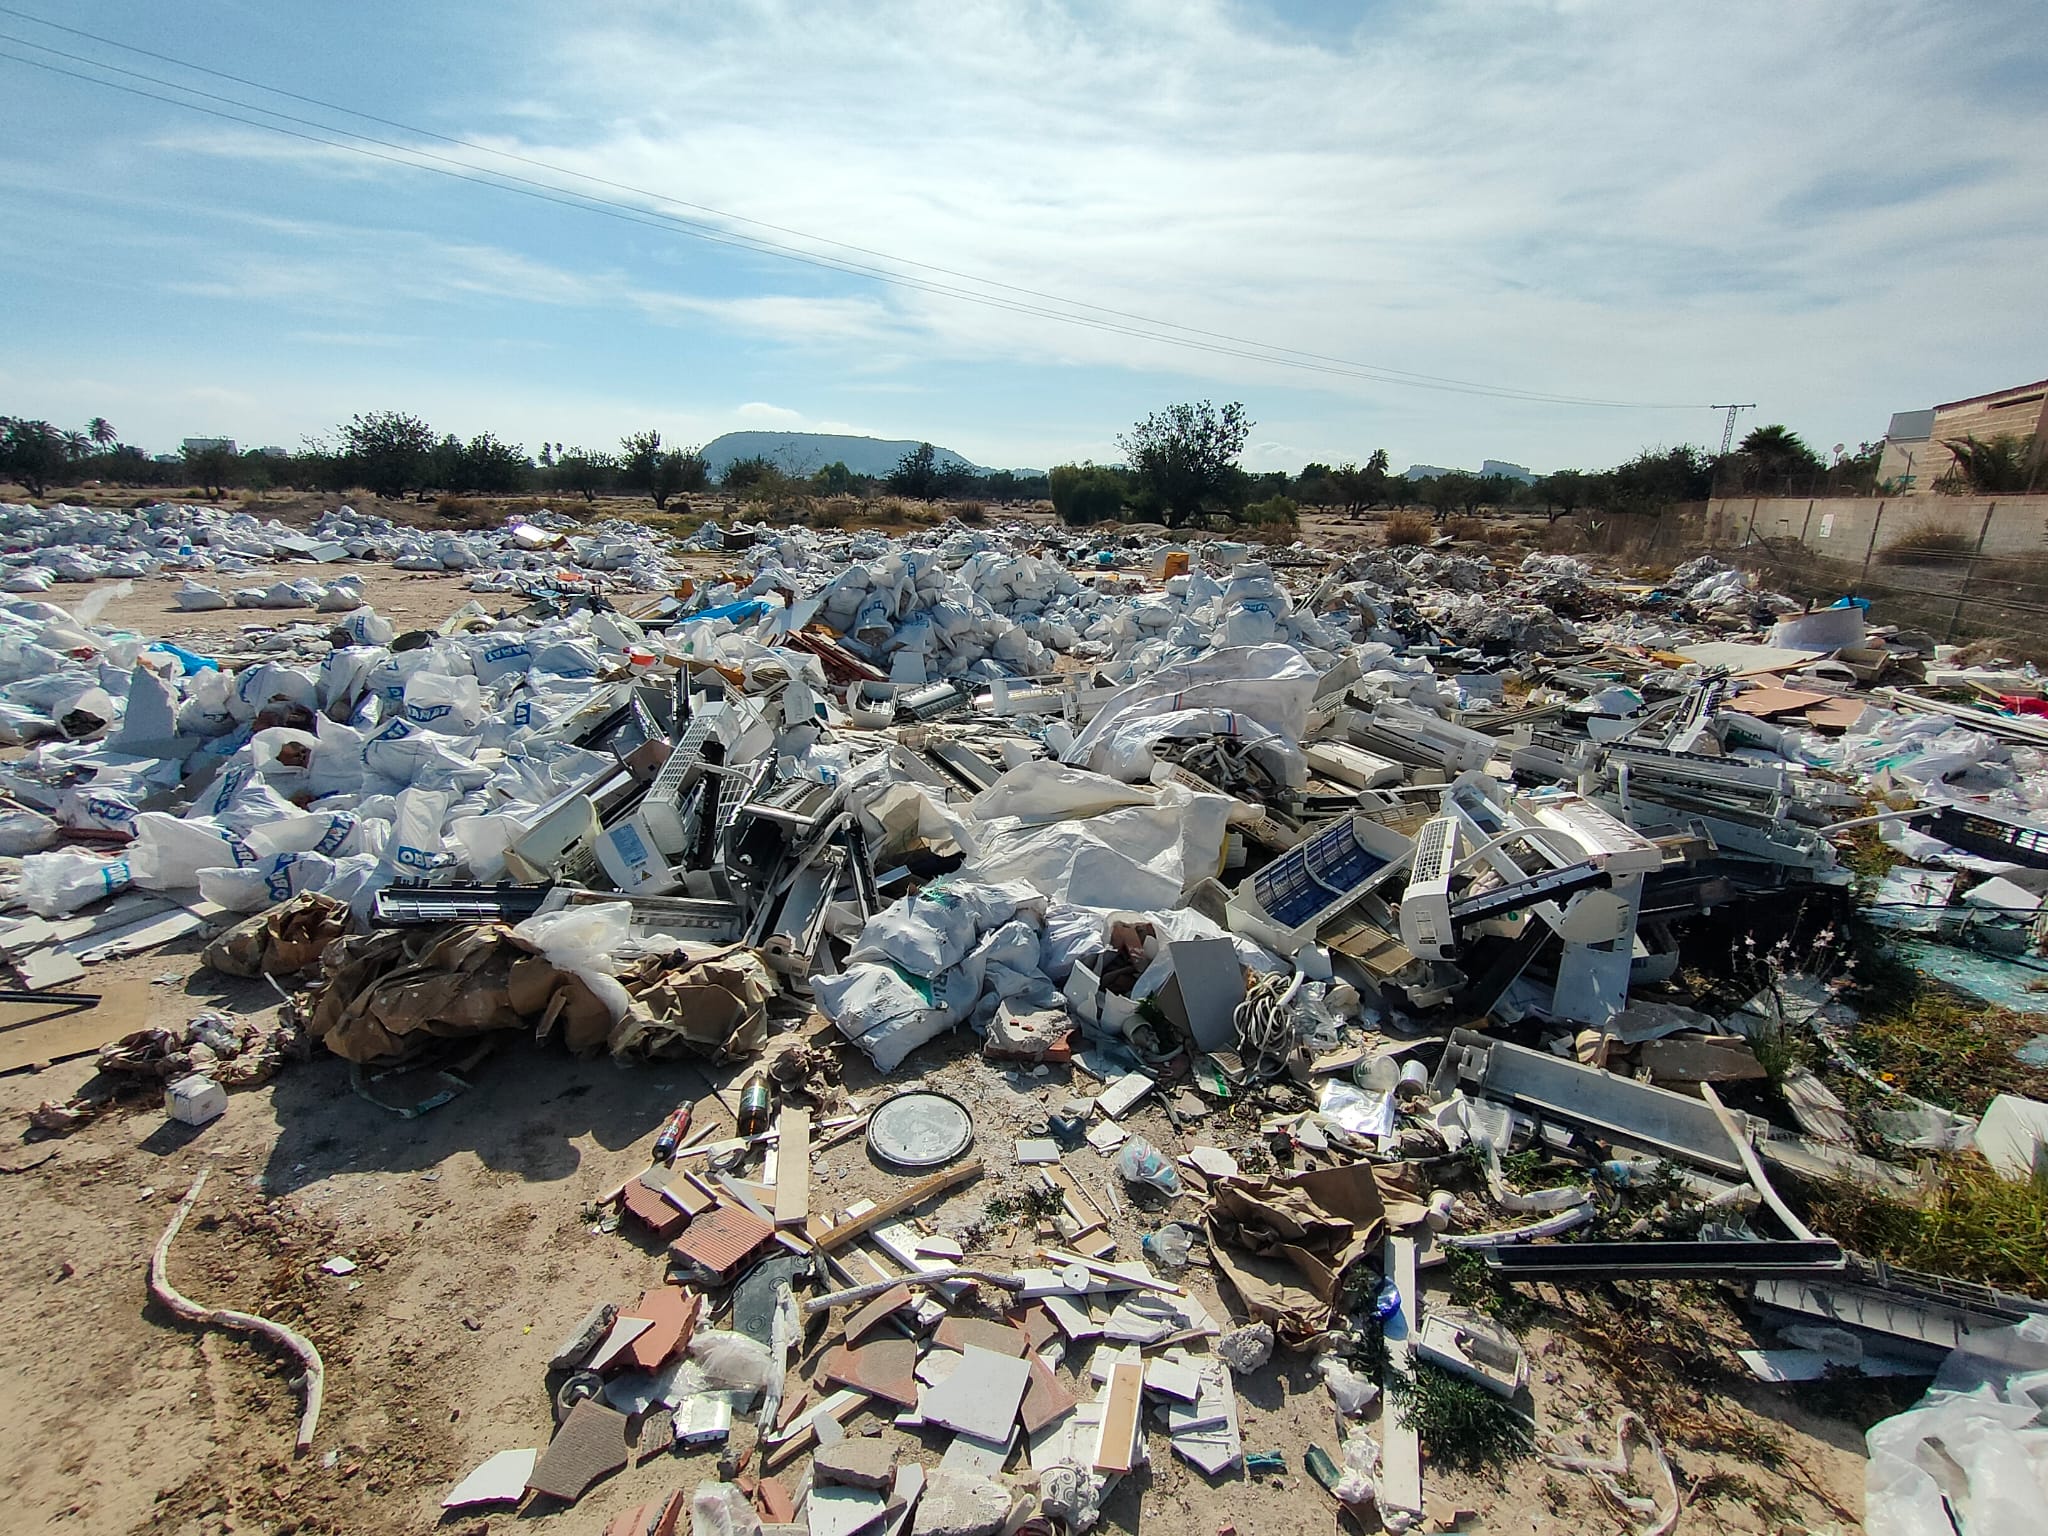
<point>920,1129</point>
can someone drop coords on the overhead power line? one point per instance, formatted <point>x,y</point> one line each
<point>414,157</point>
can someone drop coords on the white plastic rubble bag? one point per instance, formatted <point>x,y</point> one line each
<point>925,934</point>
<point>259,688</point>
<point>499,656</point>
<point>53,884</point>
<point>24,832</point>
<point>268,883</point>
<point>169,851</point>
<point>415,850</point>
<point>453,706</point>
<point>389,676</point>
<point>884,1012</point>
<point>96,810</point>
<point>585,941</point>
<point>196,597</point>
<point>366,626</point>
<point>331,834</point>
<point>407,753</point>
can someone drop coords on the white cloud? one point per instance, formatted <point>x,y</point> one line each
<point>1834,210</point>
<point>1605,199</point>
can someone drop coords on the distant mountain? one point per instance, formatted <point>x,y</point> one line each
<point>803,453</point>
<point>1486,467</point>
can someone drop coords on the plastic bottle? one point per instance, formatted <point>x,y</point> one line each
<point>1168,1247</point>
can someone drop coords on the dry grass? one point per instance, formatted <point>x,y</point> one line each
<point>1473,528</point>
<point>1926,544</point>
<point>1405,528</point>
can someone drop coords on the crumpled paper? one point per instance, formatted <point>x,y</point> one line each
<point>1283,1245</point>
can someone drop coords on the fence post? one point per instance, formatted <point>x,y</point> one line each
<point>1806,523</point>
<point>1969,570</point>
<point>1755,503</point>
<point>1876,522</point>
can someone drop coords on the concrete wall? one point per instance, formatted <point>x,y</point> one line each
<point>1844,527</point>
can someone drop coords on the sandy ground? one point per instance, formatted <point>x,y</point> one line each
<point>469,1228</point>
<point>475,1252</point>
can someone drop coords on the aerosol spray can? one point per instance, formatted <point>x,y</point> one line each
<point>672,1134</point>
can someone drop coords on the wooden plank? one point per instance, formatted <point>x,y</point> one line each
<point>793,1169</point>
<point>1118,1446</point>
<point>937,1183</point>
<point>36,1034</point>
<point>1400,1451</point>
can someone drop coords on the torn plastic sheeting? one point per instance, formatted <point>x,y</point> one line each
<point>1138,857</point>
<point>1272,685</point>
<point>1972,1446</point>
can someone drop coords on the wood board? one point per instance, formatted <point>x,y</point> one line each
<point>793,1169</point>
<point>36,1034</point>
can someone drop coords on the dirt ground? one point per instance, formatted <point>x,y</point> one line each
<point>475,1250</point>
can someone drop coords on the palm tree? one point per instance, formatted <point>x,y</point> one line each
<point>102,432</point>
<point>1775,454</point>
<point>2006,466</point>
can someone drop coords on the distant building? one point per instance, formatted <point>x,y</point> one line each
<point>272,452</point>
<point>206,444</point>
<point>1915,452</point>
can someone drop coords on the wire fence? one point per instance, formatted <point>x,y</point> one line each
<point>1960,571</point>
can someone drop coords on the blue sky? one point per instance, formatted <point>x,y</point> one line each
<point>1837,210</point>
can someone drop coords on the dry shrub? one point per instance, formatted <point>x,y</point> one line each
<point>1405,528</point>
<point>1466,527</point>
<point>1926,544</point>
<point>459,506</point>
<point>832,511</point>
<point>1502,535</point>
<point>970,512</point>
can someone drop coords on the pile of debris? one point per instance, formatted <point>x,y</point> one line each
<point>1385,867</point>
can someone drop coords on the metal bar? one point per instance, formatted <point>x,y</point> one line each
<point>1662,1260</point>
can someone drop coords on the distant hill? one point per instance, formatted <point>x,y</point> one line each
<point>1486,467</point>
<point>803,453</point>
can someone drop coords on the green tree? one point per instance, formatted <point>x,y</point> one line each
<point>918,474</point>
<point>102,433</point>
<point>1083,494</point>
<point>586,473</point>
<point>1775,458</point>
<point>33,453</point>
<point>835,479</point>
<point>745,474</point>
<point>494,468</point>
<point>2004,466</point>
<point>212,468</point>
<point>1359,489</point>
<point>1563,492</point>
<point>392,452</point>
<point>1186,456</point>
<point>662,473</point>
<point>1655,480</point>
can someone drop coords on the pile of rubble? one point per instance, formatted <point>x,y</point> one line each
<point>1378,865</point>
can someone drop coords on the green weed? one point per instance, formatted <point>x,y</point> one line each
<point>1458,1421</point>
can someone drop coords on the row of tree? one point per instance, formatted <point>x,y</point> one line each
<point>393,455</point>
<point>1179,464</point>
<point>1183,463</point>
